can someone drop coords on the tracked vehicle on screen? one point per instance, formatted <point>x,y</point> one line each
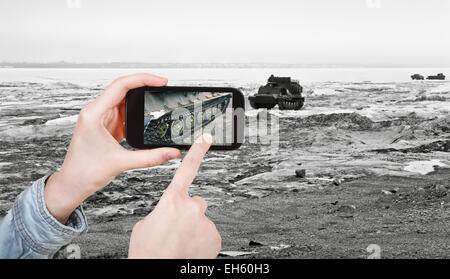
<point>281,91</point>
<point>177,115</point>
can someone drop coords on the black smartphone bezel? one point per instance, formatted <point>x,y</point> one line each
<point>134,111</point>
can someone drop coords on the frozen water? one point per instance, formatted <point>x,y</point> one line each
<point>39,109</point>
<point>423,167</point>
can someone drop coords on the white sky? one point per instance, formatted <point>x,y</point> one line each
<point>406,32</point>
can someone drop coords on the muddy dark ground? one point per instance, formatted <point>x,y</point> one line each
<point>326,222</point>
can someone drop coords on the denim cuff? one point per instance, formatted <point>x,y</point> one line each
<point>38,228</point>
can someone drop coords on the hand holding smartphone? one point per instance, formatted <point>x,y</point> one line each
<point>175,116</point>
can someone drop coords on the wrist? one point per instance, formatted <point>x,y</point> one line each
<point>63,195</point>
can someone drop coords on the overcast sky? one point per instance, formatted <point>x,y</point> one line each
<point>395,32</point>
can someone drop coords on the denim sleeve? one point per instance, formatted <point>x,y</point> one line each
<point>30,231</point>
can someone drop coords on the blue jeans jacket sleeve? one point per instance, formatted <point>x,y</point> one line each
<point>30,231</point>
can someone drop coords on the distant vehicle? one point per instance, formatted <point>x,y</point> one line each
<point>417,77</point>
<point>281,91</point>
<point>439,76</point>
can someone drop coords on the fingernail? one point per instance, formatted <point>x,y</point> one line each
<point>172,155</point>
<point>207,138</point>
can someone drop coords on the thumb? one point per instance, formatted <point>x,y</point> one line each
<point>148,158</point>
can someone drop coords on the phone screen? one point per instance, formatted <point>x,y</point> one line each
<point>180,117</point>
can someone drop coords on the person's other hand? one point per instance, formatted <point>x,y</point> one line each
<point>95,156</point>
<point>178,227</point>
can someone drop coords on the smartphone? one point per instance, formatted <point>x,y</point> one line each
<point>176,116</point>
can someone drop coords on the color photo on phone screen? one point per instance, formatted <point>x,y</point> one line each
<point>179,118</point>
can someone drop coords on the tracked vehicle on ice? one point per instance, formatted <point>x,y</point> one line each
<point>417,77</point>
<point>281,91</point>
<point>439,76</point>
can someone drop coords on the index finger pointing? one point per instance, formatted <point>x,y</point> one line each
<point>116,91</point>
<point>191,163</point>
